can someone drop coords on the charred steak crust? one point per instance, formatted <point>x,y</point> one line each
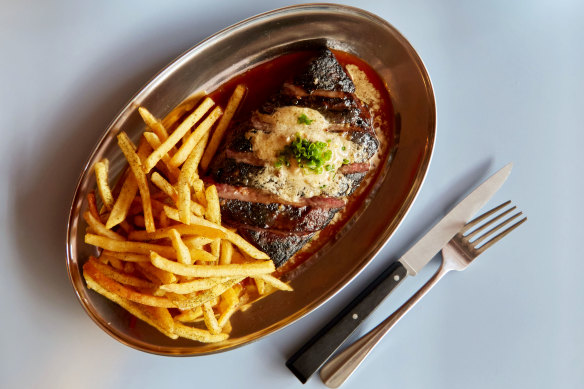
<point>277,227</point>
<point>276,216</point>
<point>325,73</point>
<point>279,245</point>
<point>231,172</point>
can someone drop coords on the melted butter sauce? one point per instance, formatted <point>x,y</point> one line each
<point>265,80</point>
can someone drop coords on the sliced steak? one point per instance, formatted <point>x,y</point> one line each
<point>276,216</point>
<point>281,224</point>
<point>279,245</point>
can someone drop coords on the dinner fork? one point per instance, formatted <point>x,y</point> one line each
<point>458,253</point>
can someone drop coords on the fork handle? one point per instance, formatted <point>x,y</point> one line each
<point>324,343</point>
<point>342,366</point>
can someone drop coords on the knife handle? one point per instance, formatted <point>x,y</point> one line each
<point>312,355</point>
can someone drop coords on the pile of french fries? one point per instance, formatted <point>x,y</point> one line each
<point>165,256</point>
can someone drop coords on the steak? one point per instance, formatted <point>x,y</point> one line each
<point>271,198</point>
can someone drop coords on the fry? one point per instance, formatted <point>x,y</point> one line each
<point>154,142</point>
<point>197,334</point>
<point>209,231</point>
<point>193,286</point>
<point>231,270</point>
<point>185,177</point>
<point>127,257</point>
<point>136,165</point>
<point>189,315</point>
<point>163,185</point>
<point>201,255</point>
<point>260,285</point>
<point>151,315</point>
<point>122,291</point>
<point>231,304</point>
<point>128,246</point>
<point>183,202</point>
<point>156,275</point>
<point>230,110</point>
<point>276,283</point>
<point>154,124</point>
<point>182,251</point>
<point>196,156</point>
<point>127,193</point>
<point>172,213</point>
<point>123,202</point>
<point>178,133</point>
<point>196,242</point>
<point>245,246</point>
<point>163,220</point>
<point>226,252</point>
<point>116,263</point>
<point>99,228</point>
<point>199,299</point>
<point>213,214</point>
<point>118,276</point>
<point>191,141</point>
<point>210,320</point>
<point>233,238</point>
<point>92,206</point>
<point>101,176</point>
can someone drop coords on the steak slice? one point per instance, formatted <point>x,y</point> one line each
<point>261,210</point>
<point>279,245</point>
<point>276,216</point>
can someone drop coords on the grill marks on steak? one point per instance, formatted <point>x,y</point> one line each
<point>278,227</point>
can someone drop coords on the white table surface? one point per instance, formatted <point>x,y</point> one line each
<point>508,79</point>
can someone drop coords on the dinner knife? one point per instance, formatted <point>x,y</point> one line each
<point>312,355</point>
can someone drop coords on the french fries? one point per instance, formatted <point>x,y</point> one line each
<point>101,176</point>
<point>165,256</point>
<point>232,106</point>
<point>177,135</point>
<point>136,165</point>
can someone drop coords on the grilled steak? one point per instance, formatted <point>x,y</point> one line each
<point>286,169</point>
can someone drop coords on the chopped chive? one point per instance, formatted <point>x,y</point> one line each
<point>303,119</point>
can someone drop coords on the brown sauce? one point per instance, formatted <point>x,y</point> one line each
<point>265,80</point>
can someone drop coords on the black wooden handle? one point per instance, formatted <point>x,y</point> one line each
<point>310,357</point>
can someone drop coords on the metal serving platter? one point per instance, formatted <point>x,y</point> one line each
<point>219,58</point>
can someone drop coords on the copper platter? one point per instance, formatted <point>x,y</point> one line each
<point>231,52</point>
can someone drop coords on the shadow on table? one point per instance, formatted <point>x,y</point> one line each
<point>42,199</point>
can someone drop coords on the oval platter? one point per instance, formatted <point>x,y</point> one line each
<point>212,62</point>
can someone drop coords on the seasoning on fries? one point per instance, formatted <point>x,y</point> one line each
<point>165,257</point>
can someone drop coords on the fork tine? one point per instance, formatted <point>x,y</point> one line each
<point>482,217</point>
<point>487,224</point>
<point>500,236</point>
<point>477,241</point>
